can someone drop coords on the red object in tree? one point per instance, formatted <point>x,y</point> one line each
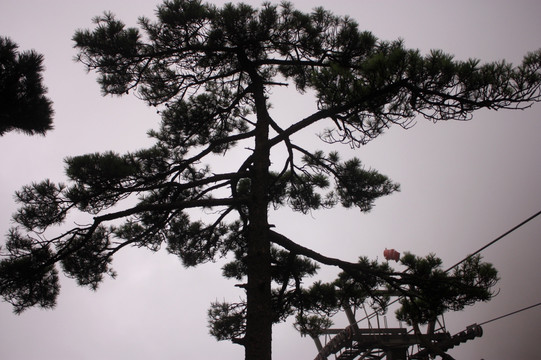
<point>391,254</point>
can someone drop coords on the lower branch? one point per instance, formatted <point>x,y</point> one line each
<point>347,266</point>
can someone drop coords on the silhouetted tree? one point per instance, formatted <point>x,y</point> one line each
<point>210,71</point>
<point>23,105</point>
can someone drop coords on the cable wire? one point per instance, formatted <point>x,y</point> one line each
<point>495,240</point>
<point>473,254</point>
<point>511,313</point>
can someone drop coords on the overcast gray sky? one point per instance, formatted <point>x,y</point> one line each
<point>463,184</point>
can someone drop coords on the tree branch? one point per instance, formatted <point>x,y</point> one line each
<point>167,207</point>
<point>295,248</point>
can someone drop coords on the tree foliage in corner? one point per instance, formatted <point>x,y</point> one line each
<point>23,104</point>
<point>210,71</point>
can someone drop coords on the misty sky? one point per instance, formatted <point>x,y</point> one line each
<point>463,184</point>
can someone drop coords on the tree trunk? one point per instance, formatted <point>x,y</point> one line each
<point>258,341</point>
<point>259,310</point>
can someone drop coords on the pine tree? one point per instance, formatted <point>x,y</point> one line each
<point>23,104</point>
<point>210,72</point>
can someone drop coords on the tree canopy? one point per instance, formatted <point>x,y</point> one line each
<point>210,72</point>
<point>23,104</point>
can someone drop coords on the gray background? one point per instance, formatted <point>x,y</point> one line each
<point>463,184</point>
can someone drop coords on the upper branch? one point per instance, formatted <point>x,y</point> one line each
<point>209,203</point>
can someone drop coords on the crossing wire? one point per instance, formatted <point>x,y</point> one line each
<point>511,313</point>
<point>495,240</point>
<point>473,254</point>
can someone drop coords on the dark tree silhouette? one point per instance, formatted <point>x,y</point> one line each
<point>210,72</point>
<point>23,104</point>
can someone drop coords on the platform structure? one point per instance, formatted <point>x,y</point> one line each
<point>381,342</point>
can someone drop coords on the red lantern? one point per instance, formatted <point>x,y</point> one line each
<point>391,254</point>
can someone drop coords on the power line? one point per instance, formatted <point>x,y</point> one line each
<point>511,313</point>
<point>475,253</point>
<point>495,240</point>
